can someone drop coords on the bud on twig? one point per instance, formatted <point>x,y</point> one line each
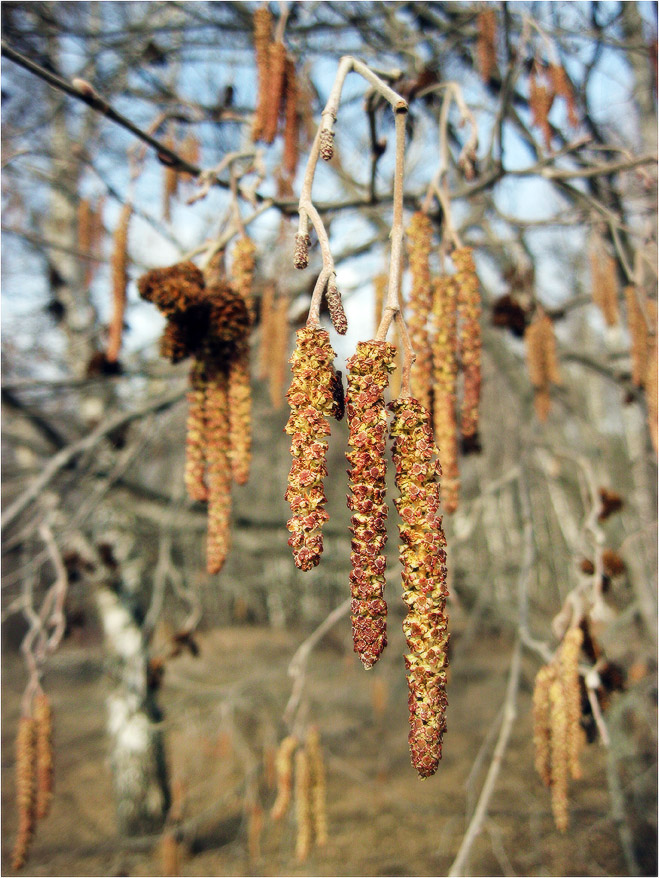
<point>335,306</point>
<point>301,251</point>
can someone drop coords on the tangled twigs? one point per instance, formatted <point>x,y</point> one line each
<point>423,556</point>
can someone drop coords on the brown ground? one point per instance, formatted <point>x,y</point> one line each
<point>224,707</point>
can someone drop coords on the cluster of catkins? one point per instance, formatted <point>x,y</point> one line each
<point>557,733</point>
<point>211,324</point>
<point>300,771</point>
<point>277,91</point>
<point>34,774</point>
<point>444,326</point>
<point>314,399</point>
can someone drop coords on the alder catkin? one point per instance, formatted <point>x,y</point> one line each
<point>542,361</point>
<point>326,144</point>
<point>279,358</point>
<point>302,806</point>
<point>422,553</point>
<point>318,787</point>
<point>43,718</point>
<point>380,290</point>
<point>368,376</point>
<point>486,43</point>
<point>335,307</point>
<point>651,389</point>
<point>243,271</point>
<point>419,237</point>
<point>262,41</point>
<point>169,183</point>
<point>119,283</point>
<point>240,415</point>
<point>559,755</point>
<point>276,72</point>
<point>170,859</point>
<point>445,373</point>
<point>195,439</point>
<point>563,88</point>
<point>266,340</point>
<point>301,251</point>
<point>569,673</point>
<point>291,123</point>
<point>640,338</point>
<point>541,729</point>
<point>541,99</point>
<point>469,311</point>
<point>25,788</point>
<point>284,770</point>
<point>312,405</point>
<point>219,470</point>
<point>604,281</point>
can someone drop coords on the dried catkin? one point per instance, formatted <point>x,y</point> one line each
<point>240,415</point>
<point>262,40</point>
<point>219,470</point>
<point>541,712</point>
<point>25,788</point>
<point>170,859</point>
<point>419,237</point>
<point>312,404</point>
<point>277,65</point>
<point>291,123</point>
<point>302,806</point>
<point>335,307</point>
<point>541,99</point>
<point>569,672</point>
<point>119,283</point>
<point>559,754</point>
<point>651,389</point>
<point>445,373</point>
<point>318,787</point>
<point>368,376</point>
<point>604,282</point>
<point>43,718</point>
<point>563,89</point>
<point>243,271</point>
<point>279,358</point>
<point>284,769</point>
<point>173,289</point>
<point>266,345</point>
<point>195,440</point>
<point>422,553</point>
<point>486,45</point>
<point>469,311</point>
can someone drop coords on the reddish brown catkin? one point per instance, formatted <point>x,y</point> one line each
<point>469,311</point>
<point>195,441</point>
<point>292,123</point>
<point>190,151</point>
<point>277,62</point>
<point>368,376</point>
<point>569,672</point>
<point>119,283</point>
<point>638,334</point>
<point>266,345</point>
<point>542,361</point>
<point>262,40</point>
<point>423,556</point>
<point>541,99</point>
<point>243,271</point>
<point>419,236</point>
<point>486,43</point>
<point>444,345</point>
<point>43,718</point>
<point>240,415</point>
<point>284,769</point>
<point>312,405</point>
<point>219,470</point>
<point>563,89</point>
<point>25,788</point>
<point>279,359</point>
<point>604,282</point>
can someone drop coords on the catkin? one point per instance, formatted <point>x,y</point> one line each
<point>604,281</point>
<point>318,788</point>
<point>219,470</point>
<point>640,338</point>
<point>542,361</point>
<point>469,310</point>
<point>190,151</point>
<point>368,376</point>
<point>569,671</point>
<point>302,806</point>
<point>195,440</point>
<point>380,290</point>
<point>243,271</point>
<point>559,755</point>
<point>25,788</point>
<point>419,236</point>
<point>326,144</point>
<point>541,99</point>
<point>43,718</point>
<point>445,373</point>
<point>651,389</point>
<point>312,404</point>
<point>240,415</point>
<point>173,289</point>
<point>266,345</point>
<point>292,122</point>
<point>262,40</point>
<point>301,251</point>
<point>119,283</point>
<point>335,308</point>
<point>170,859</point>
<point>541,712</point>
<point>563,88</point>
<point>279,358</point>
<point>422,553</point>
<point>284,770</point>
<point>486,44</point>
<point>277,70</point>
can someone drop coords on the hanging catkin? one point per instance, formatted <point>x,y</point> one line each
<point>368,376</point>
<point>279,358</point>
<point>43,718</point>
<point>604,281</point>
<point>266,345</point>
<point>119,283</point>
<point>541,99</point>
<point>240,415</point>
<point>318,790</point>
<point>219,470</point>
<point>541,712</point>
<point>284,769</point>
<point>469,310</point>
<point>422,554</point>
<point>419,236</point>
<point>312,404</point>
<point>640,338</point>
<point>651,388</point>
<point>262,40</point>
<point>569,675</point>
<point>291,124</point>
<point>486,43</point>
<point>25,788</point>
<point>277,65</point>
<point>302,806</point>
<point>559,754</point>
<point>542,361</point>
<point>380,289</point>
<point>195,440</point>
<point>335,308</point>
<point>243,271</point>
<point>563,89</point>
<point>445,366</point>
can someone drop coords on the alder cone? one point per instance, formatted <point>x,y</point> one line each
<point>312,403</point>
<point>172,289</point>
<point>422,553</point>
<point>368,376</point>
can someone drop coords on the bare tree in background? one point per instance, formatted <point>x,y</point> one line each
<point>135,136</point>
